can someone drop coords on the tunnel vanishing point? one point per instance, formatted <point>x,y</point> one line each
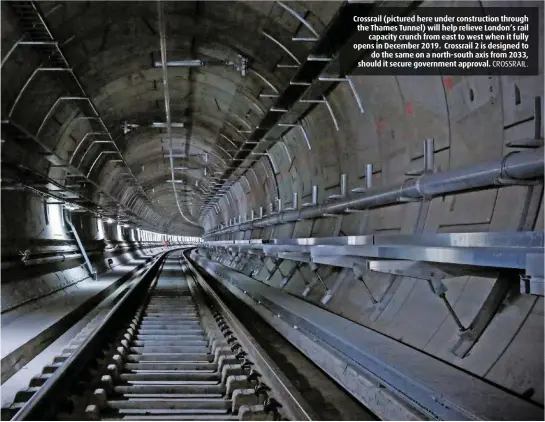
<point>204,218</point>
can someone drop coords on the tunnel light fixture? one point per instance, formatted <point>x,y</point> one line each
<point>240,64</point>
<point>181,63</point>
<point>164,125</point>
<point>186,168</point>
<point>175,155</point>
<point>109,220</point>
<point>175,181</point>
<point>127,127</point>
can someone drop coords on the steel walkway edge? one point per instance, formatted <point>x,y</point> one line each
<point>434,387</point>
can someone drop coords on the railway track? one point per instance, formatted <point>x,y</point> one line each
<point>168,350</point>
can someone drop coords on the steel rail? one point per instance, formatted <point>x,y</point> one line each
<point>515,168</point>
<point>43,404</point>
<point>437,389</point>
<point>296,406</point>
<point>39,404</point>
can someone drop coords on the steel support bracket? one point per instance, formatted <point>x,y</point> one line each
<point>277,263</point>
<point>92,271</point>
<point>423,271</point>
<point>413,269</point>
<point>308,288</point>
<point>288,277</point>
<point>359,272</point>
<point>468,338</point>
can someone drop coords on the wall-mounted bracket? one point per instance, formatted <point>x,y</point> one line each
<point>350,83</point>
<point>288,277</point>
<point>277,264</point>
<point>536,141</point>
<point>92,271</point>
<point>429,163</point>
<point>467,339</point>
<point>314,197</point>
<point>317,280</point>
<point>315,36</point>
<point>294,202</point>
<point>300,126</point>
<point>359,273</point>
<point>342,183</point>
<point>423,271</point>
<point>368,180</point>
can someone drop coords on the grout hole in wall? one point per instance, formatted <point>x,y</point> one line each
<point>471,95</point>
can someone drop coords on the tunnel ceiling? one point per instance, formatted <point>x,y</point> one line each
<point>114,50</point>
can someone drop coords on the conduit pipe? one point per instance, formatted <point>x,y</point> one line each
<point>515,168</point>
<point>163,43</point>
<point>61,257</point>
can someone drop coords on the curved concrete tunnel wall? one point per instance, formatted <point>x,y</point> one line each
<point>54,260</point>
<point>471,119</point>
<point>465,116</point>
<point>418,108</point>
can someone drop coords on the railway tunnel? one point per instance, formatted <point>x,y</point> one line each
<point>205,218</point>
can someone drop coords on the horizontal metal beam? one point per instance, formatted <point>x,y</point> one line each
<point>452,254</point>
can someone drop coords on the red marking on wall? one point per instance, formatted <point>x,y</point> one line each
<point>448,83</point>
<point>380,124</point>
<point>409,108</point>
